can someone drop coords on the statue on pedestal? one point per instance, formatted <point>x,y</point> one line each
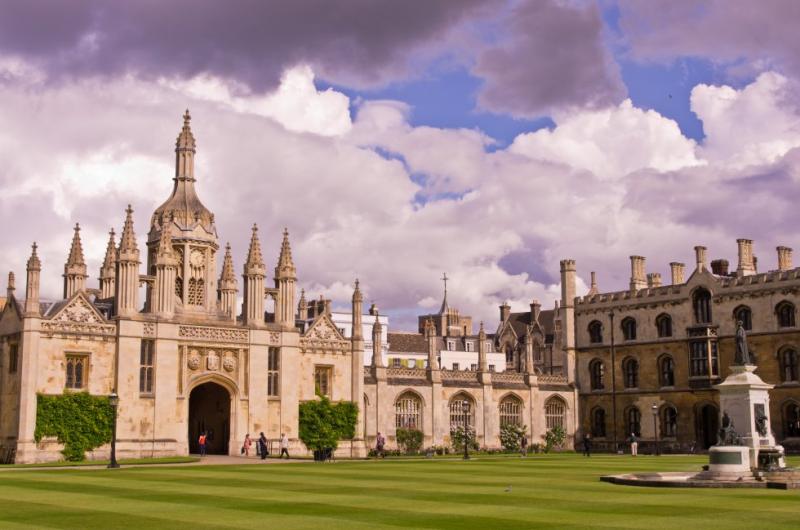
<point>727,434</point>
<point>743,356</point>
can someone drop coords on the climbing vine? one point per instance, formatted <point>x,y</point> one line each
<point>78,420</point>
<point>323,424</point>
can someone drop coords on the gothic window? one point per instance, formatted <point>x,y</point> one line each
<point>146,363</point>
<point>273,371</point>
<point>744,315</point>
<point>791,420</point>
<point>458,411</point>
<point>666,371</point>
<point>555,413</point>
<point>196,291</point>
<point>628,328</point>
<point>630,370</point>
<point>323,380</point>
<point>789,368</point>
<point>701,302</point>
<point>510,411</point>
<point>597,374</point>
<point>633,421</point>
<point>509,357</point>
<point>13,358</point>
<point>595,332</point>
<point>408,412</point>
<point>179,288</point>
<point>785,311</point>
<point>669,422</point>
<point>598,423</point>
<point>77,368</point>
<point>703,358</point>
<point>664,325</point>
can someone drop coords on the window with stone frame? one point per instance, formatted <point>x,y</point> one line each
<point>628,328</point>
<point>630,370</point>
<point>664,325</point>
<point>473,367</point>
<point>598,423</point>
<point>468,346</point>
<point>397,362</point>
<point>785,313</point>
<point>13,358</point>
<point>666,370</point>
<point>77,371</point>
<point>323,380</point>
<point>789,367</point>
<point>408,411</point>
<point>456,366</point>
<point>703,358</point>
<point>555,413</point>
<point>633,421</point>
<point>701,303</point>
<point>510,411</point>
<point>273,371</point>
<point>458,412</point>
<point>669,421</point>
<point>791,420</point>
<point>744,315</point>
<point>595,332</point>
<point>597,374</point>
<point>147,353</point>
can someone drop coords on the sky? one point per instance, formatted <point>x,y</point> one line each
<point>396,141</point>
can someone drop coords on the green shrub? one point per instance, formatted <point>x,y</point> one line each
<point>323,424</point>
<point>457,437</point>
<point>511,436</point>
<point>78,420</point>
<point>409,440</point>
<point>554,437</point>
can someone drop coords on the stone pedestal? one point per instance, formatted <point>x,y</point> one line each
<point>729,460</point>
<point>745,398</point>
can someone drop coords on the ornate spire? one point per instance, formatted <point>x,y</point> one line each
<point>285,268</point>
<point>34,263</point>
<point>127,242</point>
<point>76,250</point>
<point>185,150</point>
<point>111,252</point>
<point>444,307</point>
<point>254,258</point>
<point>227,266</point>
<point>357,297</point>
<point>165,251</point>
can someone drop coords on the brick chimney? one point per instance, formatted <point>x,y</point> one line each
<point>536,309</point>
<point>784,258</point>
<point>638,280</point>
<point>654,279</point>
<point>719,267</point>
<point>746,265</point>
<point>505,311</point>
<point>700,258</point>
<point>676,270</point>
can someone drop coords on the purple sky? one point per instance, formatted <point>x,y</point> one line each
<point>399,140</point>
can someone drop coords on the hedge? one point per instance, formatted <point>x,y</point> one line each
<point>323,424</point>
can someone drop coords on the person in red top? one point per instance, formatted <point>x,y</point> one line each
<point>202,442</point>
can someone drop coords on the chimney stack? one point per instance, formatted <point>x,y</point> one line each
<point>536,309</point>
<point>654,279</point>
<point>700,258</point>
<point>638,280</point>
<point>676,270</point>
<point>505,311</point>
<point>593,287</point>
<point>784,258</point>
<point>719,267</point>
<point>746,262</point>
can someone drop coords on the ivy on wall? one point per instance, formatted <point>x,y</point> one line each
<point>323,424</point>
<point>78,420</point>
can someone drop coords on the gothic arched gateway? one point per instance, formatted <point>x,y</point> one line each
<point>210,412</point>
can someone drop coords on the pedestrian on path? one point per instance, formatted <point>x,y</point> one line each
<point>246,445</point>
<point>202,442</point>
<point>523,447</point>
<point>380,443</point>
<point>587,445</point>
<point>262,445</point>
<point>284,445</point>
<point>634,444</point>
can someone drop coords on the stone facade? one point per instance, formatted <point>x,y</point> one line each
<point>186,360</point>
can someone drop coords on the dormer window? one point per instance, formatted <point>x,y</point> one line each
<point>451,345</point>
<point>469,346</point>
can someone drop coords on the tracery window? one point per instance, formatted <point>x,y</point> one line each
<point>598,423</point>
<point>664,325</point>
<point>457,412</point>
<point>701,302</point>
<point>510,411</point>
<point>408,411</point>
<point>789,368</point>
<point>785,311</point>
<point>745,316</point>
<point>77,368</point>
<point>595,332</point>
<point>323,376</point>
<point>669,421</point>
<point>273,371</point>
<point>666,370</point>
<point>633,421</point>
<point>597,374</point>
<point>196,291</point>
<point>146,365</point>
<point>555,413</point>
<point>630,369</point>
<point>629,328</point>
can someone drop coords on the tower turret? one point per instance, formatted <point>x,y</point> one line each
<point>34,269</point>
<point>11,285</point>
<point>228,286</point>
<point>127,284</point>
<point>254,273</point>
<point>483,364</point>
<point>108,268</point>
<point>285,278</point>
<point>430,336</point>
<point>302,306</point>
<point>166,264</point>
<point>357,367</point>
<point>75,268</point>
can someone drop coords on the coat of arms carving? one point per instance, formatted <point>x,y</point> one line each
<point>194,360</point>
<point>212,361</point>
<point>229,362</point>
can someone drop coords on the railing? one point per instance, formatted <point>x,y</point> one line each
<point>552,379</point>
<point>459,375</point>
<point>508,377</point>
<point>407,373</point>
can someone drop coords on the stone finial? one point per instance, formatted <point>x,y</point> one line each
<point>165,251</point>
<point>302,306</point>
<point>254,258</point>
<point>76,249</point>
<point>700,258</point>
<point>784,258</point>
<point>185,137</point>
<point>746,265</point>
<point>127,242</point>
<point>357,296</point>
<point>10,286</point>
<point>228,274</point>
<point>34,263</point>
<point>111,252</point>
<point>676,272</point>
<point>285,267</point>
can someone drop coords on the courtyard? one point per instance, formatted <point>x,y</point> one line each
<point>541,491</point>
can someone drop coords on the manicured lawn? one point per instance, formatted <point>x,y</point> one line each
<point>124,461</point>
<point>547,491</point>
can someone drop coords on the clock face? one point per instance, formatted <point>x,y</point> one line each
<point>197,259</point>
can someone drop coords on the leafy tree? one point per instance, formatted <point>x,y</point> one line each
<point>554,437</point>
<point>511,436</point>
<point>410,440</point>
<point>458,435</point>
<point>323,424</point>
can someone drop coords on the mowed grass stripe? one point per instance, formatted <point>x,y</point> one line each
<point>552,491</point>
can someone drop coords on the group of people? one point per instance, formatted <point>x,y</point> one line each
<point>633,440</point>
<point>261,448</point>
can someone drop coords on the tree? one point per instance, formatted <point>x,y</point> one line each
<point>554,437</point>
<point>511,436</point>
<point>323,424</point>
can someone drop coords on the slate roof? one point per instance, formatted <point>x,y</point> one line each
<point>520,321</point>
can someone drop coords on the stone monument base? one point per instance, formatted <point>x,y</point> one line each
<point>729,460</point>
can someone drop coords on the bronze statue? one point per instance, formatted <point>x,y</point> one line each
<point>727,435</point>
<point>743,356</point>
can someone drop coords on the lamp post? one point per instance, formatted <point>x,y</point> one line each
<point>465,409</point>
<point>113,400</point>
<point>654,410</point>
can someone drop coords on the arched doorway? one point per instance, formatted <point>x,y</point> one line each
<point>707,425</point>
<point>210,412</point>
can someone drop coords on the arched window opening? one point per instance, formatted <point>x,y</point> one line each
<point>458,410</point>
<point>633,421</point>
<point>785,311</point>
<point>791,420</point>
<point>628,328</point>
<point>667,371</point>
<point>701,301</point>
<point>597,374</point>
<point>510,411</point>
<point>555,412</point>
<point>669,422</point>
<point>745,316</point>
<point>630,369</point>
<point>789,368</point>
<point>408,412</point>
<point>598,423</point>
<point>664,325</point>
<point>595,332</point>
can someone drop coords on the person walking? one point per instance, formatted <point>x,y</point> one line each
<point>246,445</point>
<point>284,445</point>
<point>262,446</point>
<point>201,441</point>
<point>380,442</point>
<point>634,444</point>
<point>523,447</point>
<point>587,445</point>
